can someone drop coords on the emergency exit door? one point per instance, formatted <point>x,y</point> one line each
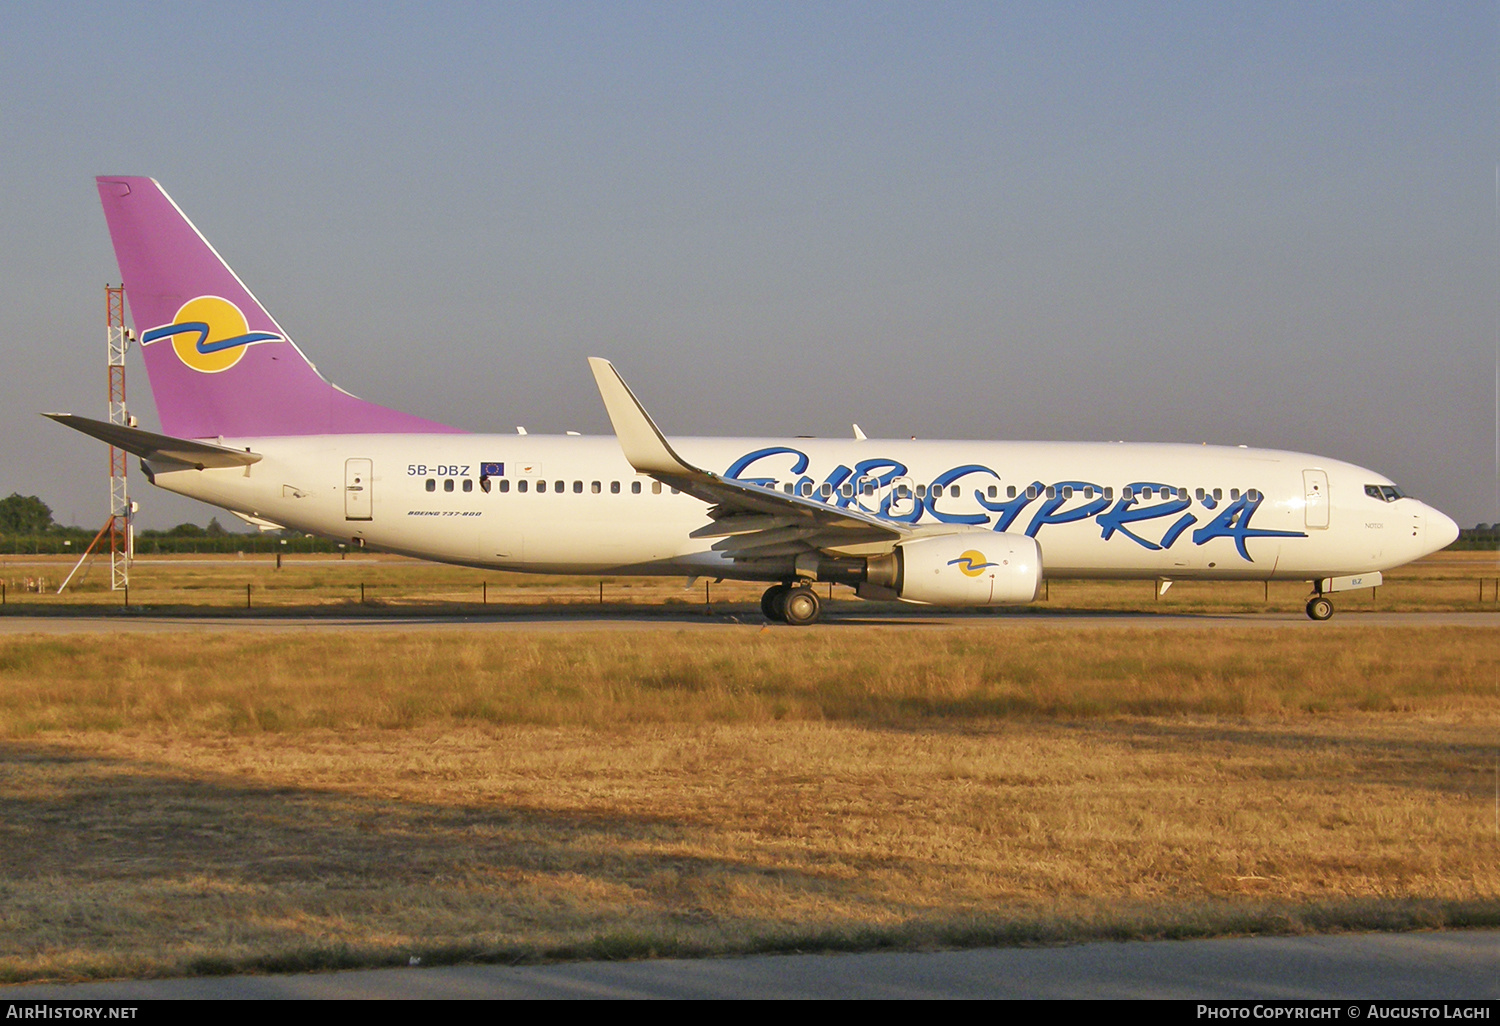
<point>357,493</point>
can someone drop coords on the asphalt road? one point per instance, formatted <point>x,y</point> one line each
<point>1452,965</point>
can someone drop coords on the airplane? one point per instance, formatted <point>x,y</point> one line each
<point>249,425</point>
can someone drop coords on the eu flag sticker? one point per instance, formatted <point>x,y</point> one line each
<point>492,470</point>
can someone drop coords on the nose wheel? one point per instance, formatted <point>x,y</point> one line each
<point>1319,608</point>
<point>791,604</point>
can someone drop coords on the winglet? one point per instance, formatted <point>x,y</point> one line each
<point>645,446</point>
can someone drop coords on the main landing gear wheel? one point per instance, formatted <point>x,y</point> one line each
<point>801,607</point>
<point>1319,608</point>
<point>773,602</point>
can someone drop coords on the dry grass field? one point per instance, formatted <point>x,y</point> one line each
<point>235,800</point>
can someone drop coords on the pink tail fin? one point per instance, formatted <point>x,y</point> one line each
<point>219,364</point>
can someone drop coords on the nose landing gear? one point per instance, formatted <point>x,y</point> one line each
<point>794,604</point>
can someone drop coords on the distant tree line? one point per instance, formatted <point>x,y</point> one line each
<point>1482,536</point>
<point>24,514</point>
<point>26,526</point>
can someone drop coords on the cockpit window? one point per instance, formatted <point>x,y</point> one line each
<point>1385,493</point>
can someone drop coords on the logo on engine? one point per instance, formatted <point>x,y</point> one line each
<point>209,334</point>
<point>971,563</point>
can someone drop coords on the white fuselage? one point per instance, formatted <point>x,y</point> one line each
<point>1100,510</point>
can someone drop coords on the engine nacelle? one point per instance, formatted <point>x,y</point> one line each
<point>975,568</point>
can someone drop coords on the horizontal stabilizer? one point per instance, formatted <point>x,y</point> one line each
<point>158,448</point>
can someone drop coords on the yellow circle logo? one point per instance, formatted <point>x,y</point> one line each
<point>209,334</point>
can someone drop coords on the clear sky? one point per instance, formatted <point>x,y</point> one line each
<point>1270,224</point>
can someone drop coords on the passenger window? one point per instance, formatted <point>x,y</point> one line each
<point>787,488</point>
<point>655,487</point>
<point>903,492</point>
<point>541,486</point>
<point>1253,495</point>
<point>1051,491</point>
<point>557,486</point>
<point>578,488</point>
<point>1146,492</point>
<point>484,483</point>
<point>635,488</point>
<point>1198,494</point>
<point>1109,491</point>
<point>827,490</point>
<point>1031,492</point>
<point>431,485</point>
<point>505,485</point>
<point>448,485</point>
<point>521,485</point>
<point>992,492</point>
<point>1010,492</point>
<point>846,490</point>
<point>614,488</point>
<point>921,491</point>
<point>1218,494</point>
<point>1088,491</point>
<point>676,491</point>
<point>596,488</point>
<point>806,488</point>
<point>1234,494</point>
<point>468,485</point>
<point>1128,493</point>
<point>1067,491</point>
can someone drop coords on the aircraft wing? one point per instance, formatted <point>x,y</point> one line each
<point>753,522</point>
<point>158,448</point>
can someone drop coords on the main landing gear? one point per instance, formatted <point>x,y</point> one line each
<point>1319,607</point>
<point>795,604</point>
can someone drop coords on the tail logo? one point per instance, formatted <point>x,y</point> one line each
<point>209,334</point>
<point>971,563</point>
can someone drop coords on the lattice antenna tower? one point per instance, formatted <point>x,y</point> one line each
<point>121,512</point>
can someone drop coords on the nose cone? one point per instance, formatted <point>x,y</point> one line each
<point>1442,531</point>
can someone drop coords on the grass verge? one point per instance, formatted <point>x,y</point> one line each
<point>232,801</point>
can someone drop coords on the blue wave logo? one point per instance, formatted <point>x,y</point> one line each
<point>209,334</point>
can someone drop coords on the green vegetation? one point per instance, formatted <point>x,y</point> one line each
<point>24,514</point>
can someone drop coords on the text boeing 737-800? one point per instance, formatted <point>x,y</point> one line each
<point>248,424</point>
